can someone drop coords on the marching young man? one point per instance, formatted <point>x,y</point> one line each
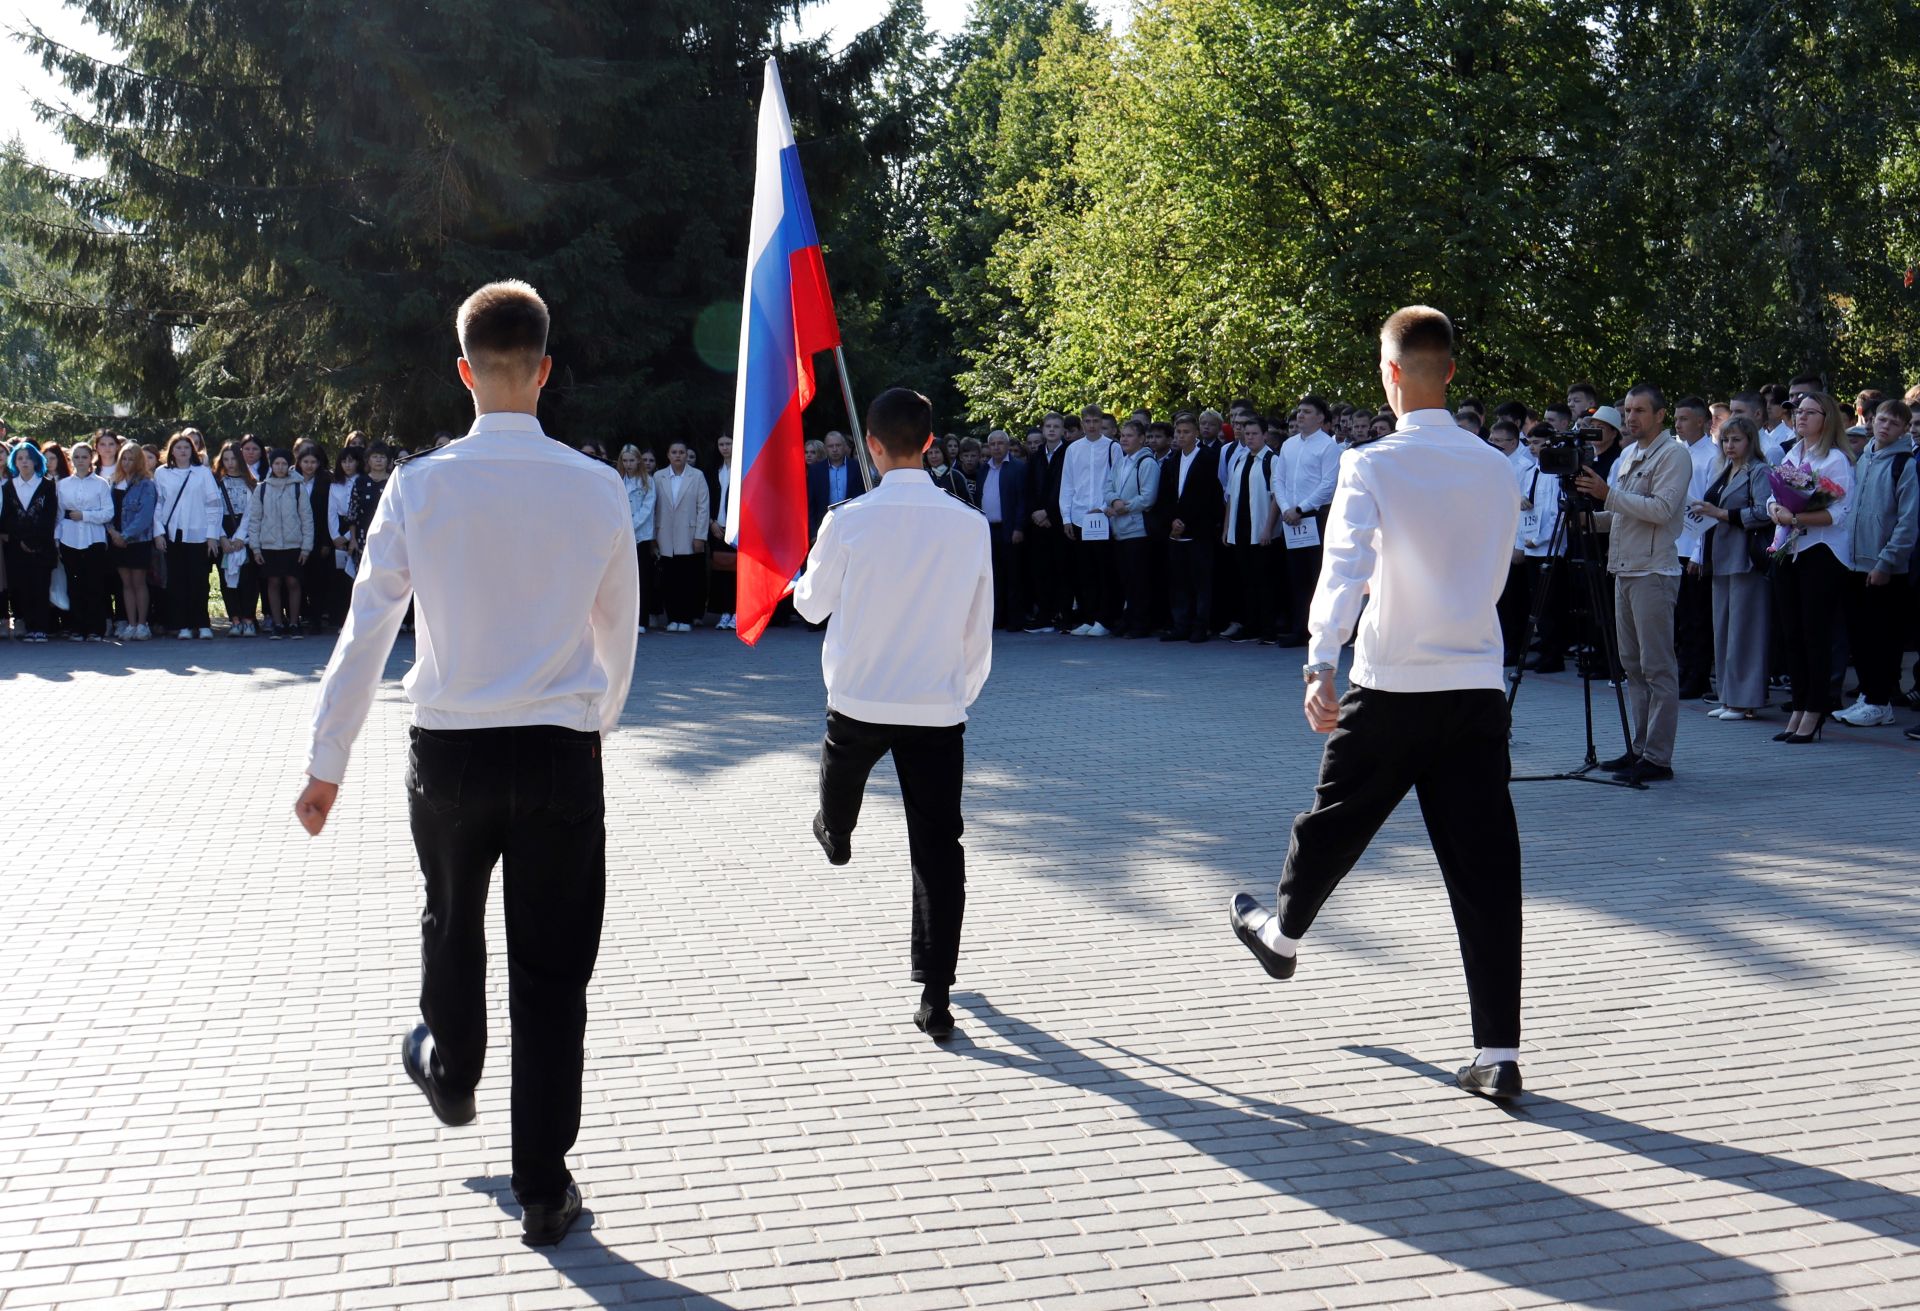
<point>903,579</point>
<point>525,652</point>
<point>1427,706</point>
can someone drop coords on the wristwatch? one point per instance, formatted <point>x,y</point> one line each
<point>1314,671</point>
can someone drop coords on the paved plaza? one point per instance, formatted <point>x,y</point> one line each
<point>200,1009</point>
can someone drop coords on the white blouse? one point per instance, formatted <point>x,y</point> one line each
<point>189,507</point>
<point>1835,536</point>
<point>94,499</point>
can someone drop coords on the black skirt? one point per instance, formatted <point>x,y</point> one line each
<point>281,564</point>
<point>136,556</point>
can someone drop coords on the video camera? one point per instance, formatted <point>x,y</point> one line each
<point>1567,453</point>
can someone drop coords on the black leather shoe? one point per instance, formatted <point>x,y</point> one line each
<point>1627,761</point>
<point>1198,638</point>
<point>416,1058</point>
<point>1174,637</point>
<point>1645,771</point>
<point>1539,666</point>
<point>542,1224</point>
<point>1276,965</point>
<point>1499,1081</point>
<point>839,850</point>
<point>934,1021</point>
<point>1912,734</point>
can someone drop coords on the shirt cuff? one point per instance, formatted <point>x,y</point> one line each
<point>328,764</point>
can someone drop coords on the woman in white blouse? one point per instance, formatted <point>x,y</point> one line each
<point>1811,586</point>
<point>186,528</point>
<point>640,502</point>
<point>86,508</point>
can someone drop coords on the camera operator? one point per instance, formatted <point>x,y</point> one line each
<point>1644,504</point>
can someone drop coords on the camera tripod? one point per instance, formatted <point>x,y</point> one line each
<point>1595,583</point>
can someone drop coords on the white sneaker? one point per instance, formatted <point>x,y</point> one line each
<point>120,630</point>
<point>185,632</point>
<point>1043,628</point>
<point>142,633</point>
<point>1867,716</point>
<point>1099,630</point>
<point>1233,630</point>
<point>206,632</point>
<point>1085,630</point>
<point>726,621</point>
<point>643,630</point>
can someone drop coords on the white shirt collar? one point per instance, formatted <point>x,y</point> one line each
<point>506,421</point>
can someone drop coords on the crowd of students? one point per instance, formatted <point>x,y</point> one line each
<point>1197,526</point>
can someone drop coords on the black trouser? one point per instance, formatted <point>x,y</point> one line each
<point>1052,582</point>
<point>242,599</point>
<point>1693,633</point>
<point>87,572</point>
<point>680,584</point>
<point>1136,583</point>
<point>316,589</point>
<point>1008,609</point>
<point>1099,593</point>
<point>644,563</point>
<point>1513,610</point>
<point>184,602</point>
<point>930,762</point>
<point>1553,575</point>
<point>1225,601</point>
<point>1451,749</point>
<point>1303,575</point>
<point>1874,632</point>
<point>1808,593</point>
<point>1190,567</point>
<point>722,584</point>
<point>29,581</point>
<point>1253,586</point>
<point>533,799</point>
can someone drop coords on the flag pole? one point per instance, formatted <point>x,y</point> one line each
<point>853,417</point>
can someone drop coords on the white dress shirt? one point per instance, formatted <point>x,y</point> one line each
<point>1702,453</point>
<point>1543,492</point>
<point>1423,521</point>
<point>1260,496</point>
<point>1836,536</point>
<point>903,577</point>
<point>93,498</point>
<point>1083,474</point>
<point>517,553</point>
<point>1773,441</point>
<point>990,491</point>
<point>1309,466</point>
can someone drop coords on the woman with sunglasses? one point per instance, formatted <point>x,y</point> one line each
<point>1810,581</point>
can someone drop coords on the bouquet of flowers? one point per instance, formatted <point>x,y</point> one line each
<point>1798,490</point>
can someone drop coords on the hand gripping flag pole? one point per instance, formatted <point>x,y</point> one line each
<point>786,319</point>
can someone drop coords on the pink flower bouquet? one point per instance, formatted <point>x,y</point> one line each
<point>1798,490</point>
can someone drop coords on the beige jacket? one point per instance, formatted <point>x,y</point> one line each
<point>1646,508</point>
<point>677,527</point>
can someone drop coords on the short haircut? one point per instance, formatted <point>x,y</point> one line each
<point>503,327</point>
<point>1317,404</point>
<point>1651,391</point>
<point>1092,412</point>
<point>1807,382</point>
<point>1559,407</point>
<point>901,420</point>
<point>1582,384</point>
<point>1891,406</point>
<point>1420,336</point>
<point>1242,403</point>
<point>1188,416</point>
<point>1775,393</point>
<point>1515,411</point>
<point>1135,425</point>
<point>1698,404</point>
<point>971,444</point>
<point>1159,429</point>
<point>1753,400</point>
<point>1052,414</point>
<point>1505,425</point>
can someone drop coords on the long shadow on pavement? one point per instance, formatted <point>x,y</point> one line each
<point>1872,1207</point>
<point>598,1271</point>
<point>1525,1232</point>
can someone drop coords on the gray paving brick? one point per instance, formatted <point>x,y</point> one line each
<point>199,1107</point>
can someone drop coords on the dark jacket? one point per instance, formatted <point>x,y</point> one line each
<point>1198,505</point>
<point>1043,483</point>
<point>1014,506</point>
<point>817,503</point>
<point>957,485</point>
<point>30,527</point>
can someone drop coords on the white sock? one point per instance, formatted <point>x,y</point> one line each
<point>1494,1055</point>
<point>1276,940</point>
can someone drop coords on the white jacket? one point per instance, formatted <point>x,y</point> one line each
<point>189,506</point>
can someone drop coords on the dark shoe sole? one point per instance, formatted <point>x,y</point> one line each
<point>1276,965</point>
<point>453,1114</point>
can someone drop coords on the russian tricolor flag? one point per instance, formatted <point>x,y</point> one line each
<point>787,318</point>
